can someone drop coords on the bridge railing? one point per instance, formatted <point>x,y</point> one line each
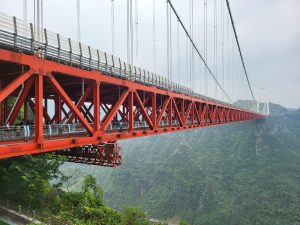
<point>27,132</point>
<point>17,35</point>
<point>29,213</point>
<point>23,37</point>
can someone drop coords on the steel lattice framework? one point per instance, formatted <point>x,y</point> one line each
<point>110,109</point>
<point>97,99</point>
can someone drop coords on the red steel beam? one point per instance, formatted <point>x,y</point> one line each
<point>39,136</point>
<point>153,104</point>
<point>187,114</point>
<point>86,112</point>
<point>20,101</point>
<point>131,111</point>
<point>170,117</point>
<point>32,105</point>
<point>203,113</point>
<point>192,115</point>
<point>96,103</point>
<point>177,113</point>
<point>163,110</point>
<point>4,93</point>
<point>137,111</point>
<point>1,104</point>
<point>142,109</point>
<point>114,110</point>
<point>197,114</point>
<point>60,91</point>
<point>83,98</point>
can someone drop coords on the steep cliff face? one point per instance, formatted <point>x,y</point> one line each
<point>243,173</point>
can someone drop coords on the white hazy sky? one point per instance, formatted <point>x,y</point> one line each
<point>269,34</point>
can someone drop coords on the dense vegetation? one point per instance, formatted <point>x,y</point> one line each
<point>246,173</point>
<point>26,180</point>
<point>3,223</point>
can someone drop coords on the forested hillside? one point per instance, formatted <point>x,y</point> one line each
<point>25,181</point>
<point>244,173</point>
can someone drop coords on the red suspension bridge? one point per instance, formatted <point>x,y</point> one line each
<point>60,95</point>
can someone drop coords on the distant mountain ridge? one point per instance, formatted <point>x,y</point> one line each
<point>276,109</point>
<point>243,173</point>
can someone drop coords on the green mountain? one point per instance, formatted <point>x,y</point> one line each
<point>243,173</point>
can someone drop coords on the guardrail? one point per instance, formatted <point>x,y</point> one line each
<point>30,214</point>
<point>19,35</point>
<point>26,132</point>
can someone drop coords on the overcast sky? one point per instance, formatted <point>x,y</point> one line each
<point>269,34</point>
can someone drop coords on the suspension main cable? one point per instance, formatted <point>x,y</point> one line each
<point>196,49</point>
<point>239,48</point>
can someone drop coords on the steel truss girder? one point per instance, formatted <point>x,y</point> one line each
<point>159,105</point>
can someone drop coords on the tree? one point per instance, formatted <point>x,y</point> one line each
<point>26,179</point>
<point>182,222</point>
<point>103,215</point>
<point>86,206</point>
<point>92,193</point>
<point>134,216</point>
